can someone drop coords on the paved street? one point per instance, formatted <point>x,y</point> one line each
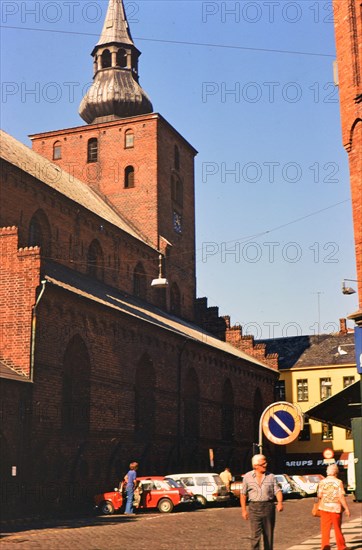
<point>208,528</point>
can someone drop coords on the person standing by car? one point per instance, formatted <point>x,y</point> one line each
<point>226,478</point>
<point>261,488</point>
<point>332,503</point>
<point>130,479</point>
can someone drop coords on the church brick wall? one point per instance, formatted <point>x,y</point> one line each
<point>348,34</point>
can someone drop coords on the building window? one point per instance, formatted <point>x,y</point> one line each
<point>129,177</point>
<point>327,432</point>
<point>106,59</point>
<point>177,190</point>
<point>347,381</point>
<point>57,150</point>
<point>92,155</point>
<point>280,390</point>
<point>129,139</point>
<point>95,260</point>
<point>304,434</point>
<point>121,58</point>
<point>302,389</point>
<point>176,158</point>
<point>325,388</point>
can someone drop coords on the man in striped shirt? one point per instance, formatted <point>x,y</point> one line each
<point>260,488</point>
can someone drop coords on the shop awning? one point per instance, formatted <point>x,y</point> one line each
<point>340,408</point>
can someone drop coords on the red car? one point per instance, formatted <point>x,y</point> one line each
<point>153,492</point>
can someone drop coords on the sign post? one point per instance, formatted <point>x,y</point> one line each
<point>281,423</point>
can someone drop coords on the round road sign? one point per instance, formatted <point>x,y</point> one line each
<point>328,453</point>
<point>281,422</point>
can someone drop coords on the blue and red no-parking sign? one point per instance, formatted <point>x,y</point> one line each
<point>281,422</point>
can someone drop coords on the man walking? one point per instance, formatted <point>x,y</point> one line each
<point>261,488</point>
<point>226,478</point>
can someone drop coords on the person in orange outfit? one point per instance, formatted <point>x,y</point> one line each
<point>332,504</point>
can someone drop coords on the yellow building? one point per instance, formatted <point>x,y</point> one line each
<point>312,369</point>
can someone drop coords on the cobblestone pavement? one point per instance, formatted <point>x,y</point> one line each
<point>211,528</point>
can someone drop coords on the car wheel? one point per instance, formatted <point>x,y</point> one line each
<point>165,506</point>
<point>107,508</point>
<point>201,500</point>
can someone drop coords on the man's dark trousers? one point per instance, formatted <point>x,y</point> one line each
<point>262,521</point>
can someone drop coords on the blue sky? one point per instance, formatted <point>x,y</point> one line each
<point>250,86</point>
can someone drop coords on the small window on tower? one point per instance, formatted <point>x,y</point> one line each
<point>106,59</point>
<point>121,58</point>
<point>129,177</point>
<point>92,150</point>
<point>129,139</point>
<point>57,150</point>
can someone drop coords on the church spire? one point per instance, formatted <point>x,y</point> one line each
<point>115,92</point>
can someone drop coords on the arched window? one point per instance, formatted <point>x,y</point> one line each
<point>140,282</point>
<point>175,299</point>
<point>129,177</point>
<point>57,150</point>
<point>95,260</point>
<point>106,59</point>
<point>177,191</point>
<point>145,399</point>
<point>40,233</point>
<point>92,154</point>
<point>176,158</point>
<point>227,412</point>
<point>121,58</point>
<point>191,395</point>
<point>129,139</point>
<point>76,387</point>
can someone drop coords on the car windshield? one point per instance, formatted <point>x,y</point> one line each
<point>174,484</point>
<point>217,480</point>
<point>314,478</point>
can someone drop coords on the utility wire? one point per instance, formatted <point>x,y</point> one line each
<point>180,42</point>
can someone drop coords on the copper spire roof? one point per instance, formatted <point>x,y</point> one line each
<point>115,92</point>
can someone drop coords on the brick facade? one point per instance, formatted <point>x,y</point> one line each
<point>98,367</point>
<point>348,33</point>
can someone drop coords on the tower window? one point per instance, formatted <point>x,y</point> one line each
<point>129,177</point>
<point>121,58</point>
<point>92,150</point>
<point>177,190</point>
<point>106,59</point>
<point>129,139</point>
<point>177,158</point>
<point>57,150</point>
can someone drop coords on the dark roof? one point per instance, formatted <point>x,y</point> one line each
<point>313,351</point>
<point>11,374</point>
<point>340,408</point>
<point>86,287</point>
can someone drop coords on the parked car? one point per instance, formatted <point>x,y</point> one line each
<point>154,492</point>
<point>206,488</point>
<point>289,487</point>
<point>308,482</point>
<point>236,487</point>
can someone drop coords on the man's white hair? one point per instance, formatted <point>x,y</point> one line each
<point>256,459</point>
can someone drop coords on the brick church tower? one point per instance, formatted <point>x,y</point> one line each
<point>134,158</point>
<point>348,33</point>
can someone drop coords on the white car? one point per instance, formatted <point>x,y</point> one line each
<point>206,488</point>
<point>308,482</point>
